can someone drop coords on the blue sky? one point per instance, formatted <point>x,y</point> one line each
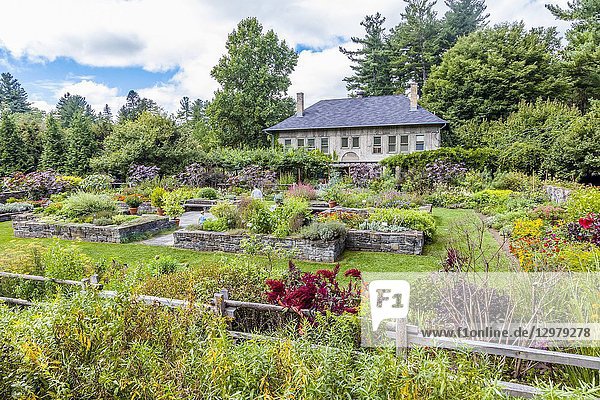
<point>103,48</point>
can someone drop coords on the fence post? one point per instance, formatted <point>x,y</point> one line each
<point>220,299</point>
<point>401,338</point>
<point>95,282</point>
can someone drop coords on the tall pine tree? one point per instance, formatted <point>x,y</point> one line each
<point>53,153</point>
<point>462,18</point>
<point>81,144</point>
<point>370,63</point>
<point>70,105</point>
<point>416,42</point>
<point>13,153</point>
<point>135,105</point>
<point>12,95</point>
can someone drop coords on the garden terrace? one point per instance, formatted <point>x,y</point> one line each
<point>30,227</point>
<point>12,195</point>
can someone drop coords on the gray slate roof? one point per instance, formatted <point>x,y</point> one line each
<point>357,112</point>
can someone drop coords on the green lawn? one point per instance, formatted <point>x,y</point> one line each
<point>373,262</point>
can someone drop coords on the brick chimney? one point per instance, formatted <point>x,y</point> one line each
<point>413,96</point>
<point>299,104</point>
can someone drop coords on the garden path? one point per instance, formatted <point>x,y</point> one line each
<point>188,218</point>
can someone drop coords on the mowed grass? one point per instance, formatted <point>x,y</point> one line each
<point>447,220</point>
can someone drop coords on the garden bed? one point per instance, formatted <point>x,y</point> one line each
<point>310,250</point>
<point>33,228</point>
<point>13,194</point>
<point>407,242</point>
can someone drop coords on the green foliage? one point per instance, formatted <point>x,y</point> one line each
<point>515,181</point>
<point>12,96</point>
<point>157,197</point>
<point>582,202</point>
<point>208,193</point>
<point>71,107</point>
<point>411,219</point>
<point>173,201</point>
<point>163,265</point>
<point>13,155</point>
<point>135,106</point>
<point>473,81</point>
<point>476,159</point>
<point>490,200</point>
<point>54,146</point>
<point>289,217</point>
<point>133,201</point>
<point>96,183</point>
<point>215,225</point>
<point>81,145</point>
<point>227,212</point>
<point>257,215</point>
<point>327,231</point>
<point>82,206</point>
<point>254,78</point>
<point>15,208</point>
<point>65,262</point>
<point>462,18</point>
<point>149,140</point>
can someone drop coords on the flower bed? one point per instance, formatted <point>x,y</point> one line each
<point>305,249</point>
<point>35,228</point>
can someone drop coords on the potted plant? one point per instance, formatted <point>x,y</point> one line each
<point>173,205</point>
<point>133,202</point>
<point>157,199</point>
<point>332,203</point>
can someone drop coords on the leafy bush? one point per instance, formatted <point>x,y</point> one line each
<point>227,212</point>
<point>215,225</point>
<point>515,181</point>
<point>207,193</point>
<point>173,201</point>
<point>82,206</point>
<point>103,221</point>
<point>196,175</point>
<point>450,199</point>
<point>444,173</point>
<point>256,215</point>
<point>351,219</point>
<point>582,202</point>
<point>133,201</point>
<point>289,217</point>
<point>491,200</point>
<point>141,173</point>
<point>411,219</point>
<point>38,184</point>
<point>71,181</point>
<point>162,265</point>
<point>548,213</point>
<point>15,208</point>
<point>474,159</point>
<point>302,190</point>
<point>157,197</point>
<point>96,183</point>
<point>324,231</point>
<point>65,262</point>
<point>377,226</point>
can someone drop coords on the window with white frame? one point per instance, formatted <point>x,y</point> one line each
<point>355,142</point>
<point>300,142</point>
<point>420,143</point>
<point>287,143</point>
<point>325,145</point>
<point>391,144</point>
<point>376,144</point>
<point>404,143</point>
<point>345,142</point>
<point>310,143</point>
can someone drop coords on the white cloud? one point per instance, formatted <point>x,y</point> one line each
<point>96,94</point>
<point>190,34</point>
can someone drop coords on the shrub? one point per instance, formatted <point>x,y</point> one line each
<point>411,219</point>
<point>71,181</point>
<point>289,217</point>
<point>15,208</point>
<point>38,184</point>
<point>228,212</point>
<point>133,201</point>
<point>449,199</point>
<point>157,197</point>
<point>362,174</point>
<point>103,221</point>
<point>490,200</point>
<point>474,159</point>
<point>377,226</point>
<point>96,183</point>
<point>303,191</point>
<point>582,202</point>
<point>173,201</point>
<point>548,213</point>
<point>141,173</point>
<point>351,219</point>
<point>162,265</point>
<point>65,262</point>
<point>444,173</point>
<point>208,193</point>
<point>215,225</point>
<point>81,205</point>
<point>324,231</point>
<point>122,219</point>
<point>256,215</point>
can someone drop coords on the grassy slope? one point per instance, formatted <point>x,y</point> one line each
<point>132,252</point>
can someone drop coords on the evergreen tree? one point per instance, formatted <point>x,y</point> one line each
<point>13,153</point>
<point>53,153</point>
<point>199,111</point>
<point>185,111</point>
<point>582,54</point>
<point>254,79</point>
<point>135,105</point>
<point>71,105</point>
<point>462,18</point>
<point>371,63</point>
<point>416,43</point>
<point>81,144</point>
<point>106,113</point>
<point>12,95</point>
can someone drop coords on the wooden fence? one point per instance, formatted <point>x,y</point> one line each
<point>405,336</point>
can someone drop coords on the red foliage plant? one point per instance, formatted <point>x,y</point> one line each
<point>319,291</point>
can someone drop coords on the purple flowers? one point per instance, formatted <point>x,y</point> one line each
<point>38,184</point>
<point>141,173</point>
<point>363,174</point>
<point>443,173</point>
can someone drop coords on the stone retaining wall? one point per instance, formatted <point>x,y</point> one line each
<point>407,242</point>
<point>34,228</point>
<point>7,195</point>
<point>311,250</point>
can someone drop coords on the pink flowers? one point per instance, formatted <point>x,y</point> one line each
<point>587,222</point>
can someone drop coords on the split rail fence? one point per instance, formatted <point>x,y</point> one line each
<point>405,336</point>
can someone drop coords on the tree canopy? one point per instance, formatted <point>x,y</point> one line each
<point>12,96</point>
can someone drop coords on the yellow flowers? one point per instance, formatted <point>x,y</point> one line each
<point>526,228</point>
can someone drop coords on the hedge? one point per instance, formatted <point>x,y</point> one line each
<point>477,159</point>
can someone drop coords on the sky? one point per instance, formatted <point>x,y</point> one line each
<point>164,50</point>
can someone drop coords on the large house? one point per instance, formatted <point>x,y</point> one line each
<point>361,129</point>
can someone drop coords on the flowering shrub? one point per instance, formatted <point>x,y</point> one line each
<point>349,218</point>
<point>444,173</point>
<point>362,174</point>
<point>319,291</point>
<point>290,216</point>
<point>252,176</point>
<point>38,184</point>
<point>548,213</point>
<point>141,173</point>
<point>304,191</point>
<point>491,201</point>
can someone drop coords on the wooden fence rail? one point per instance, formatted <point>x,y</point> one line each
<point>406,336</point>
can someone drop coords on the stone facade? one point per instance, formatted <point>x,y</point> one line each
<point>407,242</point>
<point>34,228</point>
<point>557,194</point>
<point>311,250</point>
